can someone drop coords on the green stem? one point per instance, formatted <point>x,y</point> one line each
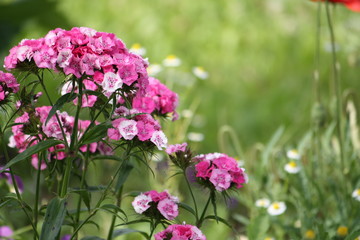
<point>199,223</point>
<point>37,194</point>
<point>17,192</point>
<point>153,226</point>
<point>337,87</point>
<point>193,197</point>
<point>113,220</point>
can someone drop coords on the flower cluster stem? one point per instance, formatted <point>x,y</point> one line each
<point>192,196</point>
<point>199,223</point>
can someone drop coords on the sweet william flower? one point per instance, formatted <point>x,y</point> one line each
<point>159,139</point>
<point>221,179</point>
<point>6,232</point>
<point>353,5</point>
<point>141,203</point>
<point>180,232</point>
<point>111,82</point>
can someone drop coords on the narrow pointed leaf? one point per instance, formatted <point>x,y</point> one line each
<point>68,97</point>
<point>41,146</point>
<point>96,133</point>
<point>54,217</point>
<point>123,175</point>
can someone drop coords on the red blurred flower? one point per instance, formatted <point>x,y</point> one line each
<point>353,5</point>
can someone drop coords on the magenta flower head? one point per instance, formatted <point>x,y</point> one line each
<point>8,85</point>
<point>180,232</point>
<point>219,171</point>
<point>156,205</point>
<point>6,231</point>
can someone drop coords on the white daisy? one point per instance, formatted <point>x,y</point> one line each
<point>136,48</point>
<point>195,137</point>
<point>356,194</point>
<point>292,167</point>
<point>262,202</point>
<point>276,208</point>
<point>154,69</point>
<point>293,154</point>
<point>200,73</point>
<point>172,61</point>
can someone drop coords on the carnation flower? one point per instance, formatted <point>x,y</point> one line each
<point>276,208</point>
<point>219,171</point>
<point>172,61</point>
<point>200,72</point>
<point>159,139</point>
<point>292,167</point>
<point>176,148</point>
<point>263,202</point>
<point>8,85</point>
<point>353,5</point>
<point>356,194</point>
<point>181,232</point>
<point>156,205</point>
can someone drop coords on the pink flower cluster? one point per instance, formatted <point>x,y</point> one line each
<point>157,98</point>
<point>221,170</point>
<point>161,202</point>
<point>8,84</point>
<point>180,232</point>
<point>131,124</point>
<point>87,100</point>
<point>52,129</point>
<point>83,52</point>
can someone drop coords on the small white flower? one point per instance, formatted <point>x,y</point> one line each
<point>356,194</point>
<point>136,48</point>
<point>292,167</point>
<point>195,137</point>
<point>159,139</point>
<point>172,61</point>
<point>262,202</point>
<point>293,154</point>
<point>276,208</point>
<point>111,82</point>
<point>200,73</point>
<point>269,238</point>
<point>154,69</point>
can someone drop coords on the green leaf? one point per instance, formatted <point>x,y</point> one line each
<point>258,227</point>
<point>123,175</point>
<point>241,219</point>
<point>85,196</point>
<point>219,219</point>
<point>187,208</point>
<point>119,232</point>
<point>55,214</point>
<point>134,222</point>
<point>98,94</point>
<point>68,97</point>
<point>41,146</point>
<point>113,209</point>
<point>353,235</point>
<point>96,133</point>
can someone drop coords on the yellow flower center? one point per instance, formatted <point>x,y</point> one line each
<point>276,206</point>
<point>268,238</point>
<point>292,164</point>
<point>310,234</point>
<point>136,46</point>
<point>342,231</point>
<point>171,57</point>
<point>358,192</point>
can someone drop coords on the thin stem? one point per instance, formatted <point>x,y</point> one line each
<point>192,196</point>
<point>37,194</point>
<point>113,220</point>
<point>83,223</point>
<point>199,223</point>
<point>337,87</point>
<point>153,226</point>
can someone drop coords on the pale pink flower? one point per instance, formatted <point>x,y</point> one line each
<point>128,129</point>
<point>168,208</point>
<point>176,148</point>
<point>141,203</point>
<point>159,139</point>
<point>111,82</point>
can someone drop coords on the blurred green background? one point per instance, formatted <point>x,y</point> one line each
<point>259,54</point>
